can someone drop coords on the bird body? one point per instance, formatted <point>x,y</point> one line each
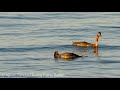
<point>66,55</point>
<point>82,44</point>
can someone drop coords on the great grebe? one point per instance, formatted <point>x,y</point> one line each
<point>66,55</point>
<point>86,44</point>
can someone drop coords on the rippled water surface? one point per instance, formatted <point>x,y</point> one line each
<point>28,41</point>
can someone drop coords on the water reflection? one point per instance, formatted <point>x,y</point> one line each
<point>87,51</point>
<point>65,59</point>
<point>95,51</point>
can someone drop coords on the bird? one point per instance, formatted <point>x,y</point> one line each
<point>86,44</point>
<point>66,55</point>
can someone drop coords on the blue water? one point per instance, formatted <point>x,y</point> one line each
<point>28,41</point>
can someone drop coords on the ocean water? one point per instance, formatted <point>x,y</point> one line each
<point>28,41</point>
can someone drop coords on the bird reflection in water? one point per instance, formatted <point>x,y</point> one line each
<point>86,51</point>
<point>95,51</point>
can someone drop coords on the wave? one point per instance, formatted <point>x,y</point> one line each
<point>108,61</point>
<point>14,25</point>
<point>55,47</point>
<point>21,49</point>
<point>26,49</point>
<point>109,26</point>
<point>19,17</point>
<point>108,47</point>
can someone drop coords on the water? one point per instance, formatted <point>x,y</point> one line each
<point>28,41</point>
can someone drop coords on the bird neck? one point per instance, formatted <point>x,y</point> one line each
<point>96,40</point>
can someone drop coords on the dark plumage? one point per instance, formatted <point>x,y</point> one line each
<point>66,55</point>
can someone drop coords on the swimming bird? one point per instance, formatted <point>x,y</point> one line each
<point>86,44</point>
<point>66,55</point>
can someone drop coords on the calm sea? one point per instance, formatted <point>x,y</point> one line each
<point>28,41</point>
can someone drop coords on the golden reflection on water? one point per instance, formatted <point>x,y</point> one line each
<point>96,51</point>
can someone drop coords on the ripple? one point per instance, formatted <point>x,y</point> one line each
<point>20,17</point>
<point>108,61</point>
<point>107,47</point>
<point>109,26</point>
<point>22,49</point>
<point>26,49</point>
<point>14,25</point>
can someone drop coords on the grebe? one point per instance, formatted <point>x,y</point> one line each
<point>66,55</point>
<point>86,44</point>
